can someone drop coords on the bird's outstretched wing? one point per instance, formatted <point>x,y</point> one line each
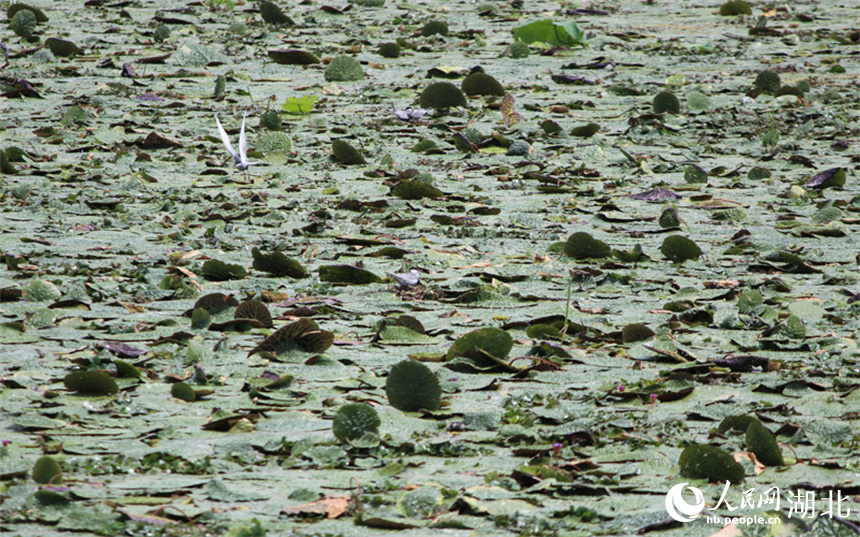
<point>243,146</point>
<point>226,140</point>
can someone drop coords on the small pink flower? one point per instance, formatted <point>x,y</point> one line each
<point>620,388</point>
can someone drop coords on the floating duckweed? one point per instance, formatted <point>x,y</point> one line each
<point>271,120</point>
<point>585,131</point>
<point>762,442</point>
<point>735,7</point>
<point>768,81</point>
<point>582,245</point>
<point>412,386</point>
<point>272,14</point>
<point>344,68</point>
<point>23,23</point>
<point>161,34</point>
<point>679,249</point>
<point>90,382</point>
<point>47,470</point>
<point>666,101</point>
<point>389,50</point>
<point>354,420</point>
<point>520,148</point>
<point>518,50</point>
<point>434,28</point>
<point>442,95</point>
<point>346,154</point>
<point>698,101</point>
<point>482,84</point>
<point>711,463</point>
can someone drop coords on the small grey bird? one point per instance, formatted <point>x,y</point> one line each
<point>406,279</point>
<point>241,157</point>
<point>408,113</point>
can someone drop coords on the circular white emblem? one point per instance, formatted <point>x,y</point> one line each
<point>679,509</point>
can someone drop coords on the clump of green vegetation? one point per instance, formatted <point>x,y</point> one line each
<point>711,463</point>
<point>412,386</point>
<point>370,3</point>
<point>220,87</point>
<point>238,28</point>
<point>389,50</point>
<point>761,441</point>
<point>344,69</point>
<point>519,50</point>
<point>735,7</point>
<point>90,383</point>
<point>768,81</point>
<point>47,470</point>
<point>803,86</point>
<point>161,34</point>
<point>679,248</point>
<point>23,23</point>
<point>582,245</point>
<point>354,420</point>
<point>519,148</point>
<point>346,154</point>
<point>436,27</point>
<point>789,90</point>
<point>272,14</point>
<point>585,131</point>
<point>666,101</point>
<point>482,84</point>
<point>442,95</point>
<point>698,101</point>
<point>271,121</point>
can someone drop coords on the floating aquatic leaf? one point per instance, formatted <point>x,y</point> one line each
<point>666,101</point>
<point>492,341</point>
<point>277,264</point>
<point>62,48</point>
<point>636,332</point>
<point>412,386</point>
<point>482,84</point>
<point>272,14</point>
<point>354,420</point>
<point>347,274</point>
<point>344,68</point>
<point>566,34</point>
<point>834,177</point>
<point>15,7</point>
<point>220,271</point>
<point>214,303</point>
<point>91,383</point>
<point>183,391</point>
<point>679,249</point>
<point>761,441</point>
<point>293,57</point>
<point>711,463</point>
<point>47,470</point>
<point>737,423</point>
<point>415,190</point>
<point>442,95</point>
<point>582,245</point>
<point>254,309</point>
<point>586,131</point>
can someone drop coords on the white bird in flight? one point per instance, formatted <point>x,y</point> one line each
<point>241,157</point>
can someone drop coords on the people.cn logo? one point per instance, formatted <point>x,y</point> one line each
<point>678,508</point>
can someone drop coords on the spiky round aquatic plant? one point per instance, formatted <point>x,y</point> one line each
<point>354,420</point>
<point>344,69</point>
<point>46,471</point>
<point>518,50</point>
<point>23,23</point>
<point>412,386</point>
<point>666,101</point>
<point>698,101</point>
<point>389,50</point>
<point>161,34</point>
<point>768,81</point>
<point>271,120</point>
<point>434,28</point>
<point>735,7</point>
<point>482,84</point>
<point>520,148</point>
<point>441,95</point>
